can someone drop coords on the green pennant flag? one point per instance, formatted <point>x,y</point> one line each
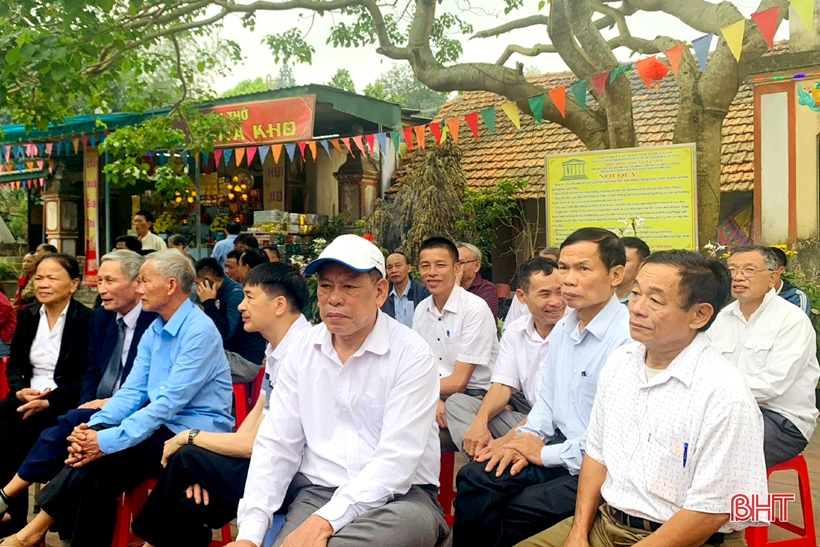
<point>488,115</point>
<point>579,91</point>
<point>618,71</point>
<point>394,136</point>
<point>537,108</point>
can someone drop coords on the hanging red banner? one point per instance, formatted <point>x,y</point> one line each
<point>91,177</point>
<point>269,122</point>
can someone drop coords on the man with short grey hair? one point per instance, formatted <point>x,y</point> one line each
<point>469,256</point>
<point>180,381</point>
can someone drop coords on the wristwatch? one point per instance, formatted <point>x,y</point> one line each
<point>191,434</point>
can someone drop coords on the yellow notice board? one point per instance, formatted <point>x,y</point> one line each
<point>610,188</point>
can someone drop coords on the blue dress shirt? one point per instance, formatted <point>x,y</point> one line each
<point>181,373</point>
<point>404,314</point>
<point>222,248</point>
<point>569,381</point>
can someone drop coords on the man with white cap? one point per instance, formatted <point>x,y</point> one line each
<point>350,446</point>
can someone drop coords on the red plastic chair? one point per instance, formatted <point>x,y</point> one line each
<point>758,536</point>
<point>240,397</point>
<point>447,492</point>
<point>131,504</point>
<point>4,381</point>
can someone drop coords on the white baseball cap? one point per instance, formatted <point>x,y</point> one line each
<point>351,251</point>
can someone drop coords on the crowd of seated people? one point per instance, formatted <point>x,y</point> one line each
<point>626,401</point>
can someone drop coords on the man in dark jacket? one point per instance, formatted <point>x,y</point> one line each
<point>220,297</point>
<point>786,290</point>
<point>405,294</point>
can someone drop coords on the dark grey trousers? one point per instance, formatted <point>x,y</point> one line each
<point>782,440</point>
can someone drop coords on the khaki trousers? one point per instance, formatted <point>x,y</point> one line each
<point>606,532</point>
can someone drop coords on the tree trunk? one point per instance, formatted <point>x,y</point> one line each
<point>708,174</point>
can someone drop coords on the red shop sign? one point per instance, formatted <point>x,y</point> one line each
<point>269,122</point>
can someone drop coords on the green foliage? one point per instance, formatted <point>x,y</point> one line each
<point>8,271</point>
<point>256,85</point>
<point>289,46</point>
<point>400,85</point>
<point>483,210</point>
<point>342,80</point>
<point>377,90</point>
<point>14,209</point>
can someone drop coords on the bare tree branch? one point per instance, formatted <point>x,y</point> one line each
<point>533,51</point>
<point>524,22</point>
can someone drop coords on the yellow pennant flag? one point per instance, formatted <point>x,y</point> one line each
<point>312,146</point>
<point>805,12</point>
<point>511,110</point>
<point>733,34</point>
<point>76,143</point>
<point>276,150</point>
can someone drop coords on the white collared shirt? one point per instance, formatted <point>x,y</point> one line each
<point>776,352</point>
<point>130,320</point>
<point>521,355</point>
<point>273,356</point>
<point>45,350</point>
<point>465,330</point>
<point>153,241</point>
<point>690,438</point>
<point>517,309</point>
<point>366,427</point>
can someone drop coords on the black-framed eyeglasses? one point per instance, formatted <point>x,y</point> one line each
<point>463,262</point>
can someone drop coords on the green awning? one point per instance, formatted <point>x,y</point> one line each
<point>76,126</point>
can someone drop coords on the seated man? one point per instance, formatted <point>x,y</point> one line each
<point>785,289</point>
<point>458,326</point>
<point>180,381</point>
<point>531,483</point>
<point>116,330</point>
<point>249,260</point>
<point>518,308</point>
<point>674,433</point>
<point>774,345</point>
<point>636,252</point>
<point>405,294</point>
<point>474,424</point>
<point>469,257</point>
<point>349,448</point>
<point>232,265</point>
<point>220,297</point>
<point>202,484</point>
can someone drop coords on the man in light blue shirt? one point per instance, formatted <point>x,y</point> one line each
<point>222,248</point>
<point>530,484</point>
<point>180,381</point>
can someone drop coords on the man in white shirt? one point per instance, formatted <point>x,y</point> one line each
<point>773,344</point>
<point>531,483</point>
<point>142,224</point>
<point>205,473</point>
<point>674,432</point>
<point>476,425</point>
<point>518,308</point>
<point>350,437</point>
<point>459,327</point>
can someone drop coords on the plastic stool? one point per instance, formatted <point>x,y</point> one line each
<point>758,536</point>
<point>447,493</point>
<point>240,396</point>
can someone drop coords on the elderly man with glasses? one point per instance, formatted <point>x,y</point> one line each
<point>773,343</point>
<point>469,257</point>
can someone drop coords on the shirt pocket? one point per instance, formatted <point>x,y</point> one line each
<point>669,468</point>
<point>589,387</point>
<point>755,354</point>
<point>724,346</point>
<point>370,415</point>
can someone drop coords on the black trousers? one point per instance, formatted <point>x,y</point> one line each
<point>782,440</point>
<point>17,436</point>
<point>84,500</point>
<point>502,511</point>
<point>170,519</point>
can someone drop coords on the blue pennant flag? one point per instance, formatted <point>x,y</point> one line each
<point>227,155</point>
<point>701,47</point>
<point>59,147</point>
<point>326,146</point>
<point>382,138</point>
<point>41,148</point>
<point>263,153</point>
<point>92,141</point>
<point>291,150</point>
<point>19,166</point>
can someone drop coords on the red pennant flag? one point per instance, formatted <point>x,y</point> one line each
<point>472,123</point>
<point>408,137</point>
<point>359,143</point>
<point>419,129</point>
<point>40,164</point>
<point>674,56</point>
<point>84,139</point>
<point>2,167</point>
<point>559,99</point>
<point>371,142</point>
<point>766,22</point>
<point>346,140</point>
<point>49,147</point>
<point>435,129</point>
<point>251,153</point>
<point>651,70</point>
<point>8,153</point>
<point>218,156</point>
<point>41,181</point>
<point>452,126</point>
<point>302,146</point>
<point>599,82</point>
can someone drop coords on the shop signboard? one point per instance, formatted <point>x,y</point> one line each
<point>269,122</point>
<point>649,192</point>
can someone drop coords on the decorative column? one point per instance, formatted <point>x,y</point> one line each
<point>61,205</point>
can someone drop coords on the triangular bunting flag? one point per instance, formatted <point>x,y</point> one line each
<point>733,34</point>
<point>766,22</point>
<point>599,81</point>
<point>371,142</point>
<point>396,138</point>
<point>805,12</point>
<point>2,167</point>
<point>84,138</point>
<point>511,110</point>
<point>579,91</point>
<point>435,129</point>
<point>346,141</point>
<point>252,154</point>
<point>408,137</point>
<point>59,148</point>
<point>40,164</point>
<point>228,155</point>
<point>701,46</point>
<point>452,127</point>
<point>312,146</point>
<point>8,152</point>
<point>240,155</point>
<point>382,140</point>
<point>537,108</point>
<point>50,166</point>
<point>559,99</point>
<point>263,153</point>
<point>204,160</point>
<point>76,143</point>
<point>359,143</point>
<point>335,143</point>
<point>472,123</point>
<point>276,150</point>
<point>92,140</point>
<point>302,146</point>
<point>420,138</point>
<point>488,115</point>
<point>623,69</point>
<point>290,148</point>
<point>674,56</point>
<point>218,156</point>
<point>30,165</point>
<point>49,148</point>
<point>18,152</point>
<point>326,146</point>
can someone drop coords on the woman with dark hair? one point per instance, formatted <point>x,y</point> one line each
<point>25,290</point>
<point>44,370</point>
